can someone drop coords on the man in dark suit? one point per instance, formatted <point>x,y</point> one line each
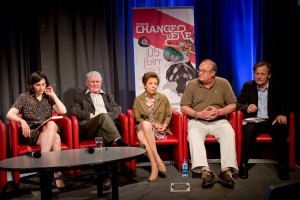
<point>97,113</point>
<point>264,98</point>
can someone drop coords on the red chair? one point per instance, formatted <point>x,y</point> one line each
<point>175,141</point>
<point>17,149</point>
<point>210,138</point>
<point>266,138</point>
<point>78,144</point>
<point>3,155</point>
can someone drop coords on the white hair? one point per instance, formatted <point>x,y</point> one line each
<point>93,73</point>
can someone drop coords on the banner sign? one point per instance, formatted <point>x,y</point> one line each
<point>164,43</point>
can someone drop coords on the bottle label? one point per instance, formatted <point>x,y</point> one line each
<point>184,169</point>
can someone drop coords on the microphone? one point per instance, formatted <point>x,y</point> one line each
<point>90,150</point>
<point>34,154</point>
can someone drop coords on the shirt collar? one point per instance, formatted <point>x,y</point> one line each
<point>88,91</point>
<point>266,88</point>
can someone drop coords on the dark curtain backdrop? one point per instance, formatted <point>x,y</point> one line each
<point>66,39</point>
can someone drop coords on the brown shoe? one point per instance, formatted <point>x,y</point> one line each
<point>208,179</point>
<point>226,180</point>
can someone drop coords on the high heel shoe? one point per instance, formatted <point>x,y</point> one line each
<point>152,179</point>
<point>162,174</point>
<point>64,188</point>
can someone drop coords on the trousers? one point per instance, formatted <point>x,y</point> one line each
<point>100,126</point>
<point>224,134</point>
<point>279,134</point>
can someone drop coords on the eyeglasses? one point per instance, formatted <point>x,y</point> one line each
<point>204,71</point>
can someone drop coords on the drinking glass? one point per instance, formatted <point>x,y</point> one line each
<point>98,141</point>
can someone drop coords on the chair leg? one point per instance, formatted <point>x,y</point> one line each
<point>3,180</point>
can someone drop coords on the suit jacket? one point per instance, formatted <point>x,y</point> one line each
<point>83,106</point>
<point>162,109</point>
<point>276,99</point>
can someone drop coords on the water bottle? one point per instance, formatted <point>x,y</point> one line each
<point>185,168</point>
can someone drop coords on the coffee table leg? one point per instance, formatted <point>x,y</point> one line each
<point>46,184</point>
<point>114,181</point>
<point>99,181</point>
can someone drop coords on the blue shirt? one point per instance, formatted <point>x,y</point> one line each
<point>262,111</point>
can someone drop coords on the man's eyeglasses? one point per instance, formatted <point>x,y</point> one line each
<point>204,70</point>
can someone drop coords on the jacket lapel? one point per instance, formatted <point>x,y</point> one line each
<point>89,98</point>
<point>254,93</point>
<point>157,101</point>
<point>143,104</point>
<point>106,104</point>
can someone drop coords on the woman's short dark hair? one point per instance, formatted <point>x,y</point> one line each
<point>149,75</point>
<point>36,77</point>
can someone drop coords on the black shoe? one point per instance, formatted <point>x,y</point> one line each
<point>106,184</point>
<point>63,189</point>
<point>283,173</point>
<point>162,174</point>
<point>243,171</point>
<point>121,143</point>
<point>226,180</point>
<point>208,179</point>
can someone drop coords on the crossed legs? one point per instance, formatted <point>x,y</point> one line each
<point>49,140</point>
<point>146,136</point>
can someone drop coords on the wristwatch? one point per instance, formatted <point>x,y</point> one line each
<point>196,116</point>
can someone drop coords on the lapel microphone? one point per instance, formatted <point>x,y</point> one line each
<point>34,154</point>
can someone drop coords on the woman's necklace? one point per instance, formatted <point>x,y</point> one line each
<point>150,102</point>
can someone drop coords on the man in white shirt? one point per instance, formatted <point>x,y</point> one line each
<point>97,112</point>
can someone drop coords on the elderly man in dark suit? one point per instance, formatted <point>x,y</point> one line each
<point>264,98</point>
<point>97,112</point>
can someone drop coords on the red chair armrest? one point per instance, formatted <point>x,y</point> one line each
<point>66,129</point>
<point>176,124</point>
<point>3,149</point>
<point>184,134</point>
<point>131,122</point>
<point>291,121</point>
<point>3,155</point>
<point>13,137</point>
<point>123,120</point>
<point>76,136</point>
<point>232,120</point>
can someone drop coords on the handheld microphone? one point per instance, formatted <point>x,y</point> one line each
<point>33,154</point>
<point>90,150</point>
